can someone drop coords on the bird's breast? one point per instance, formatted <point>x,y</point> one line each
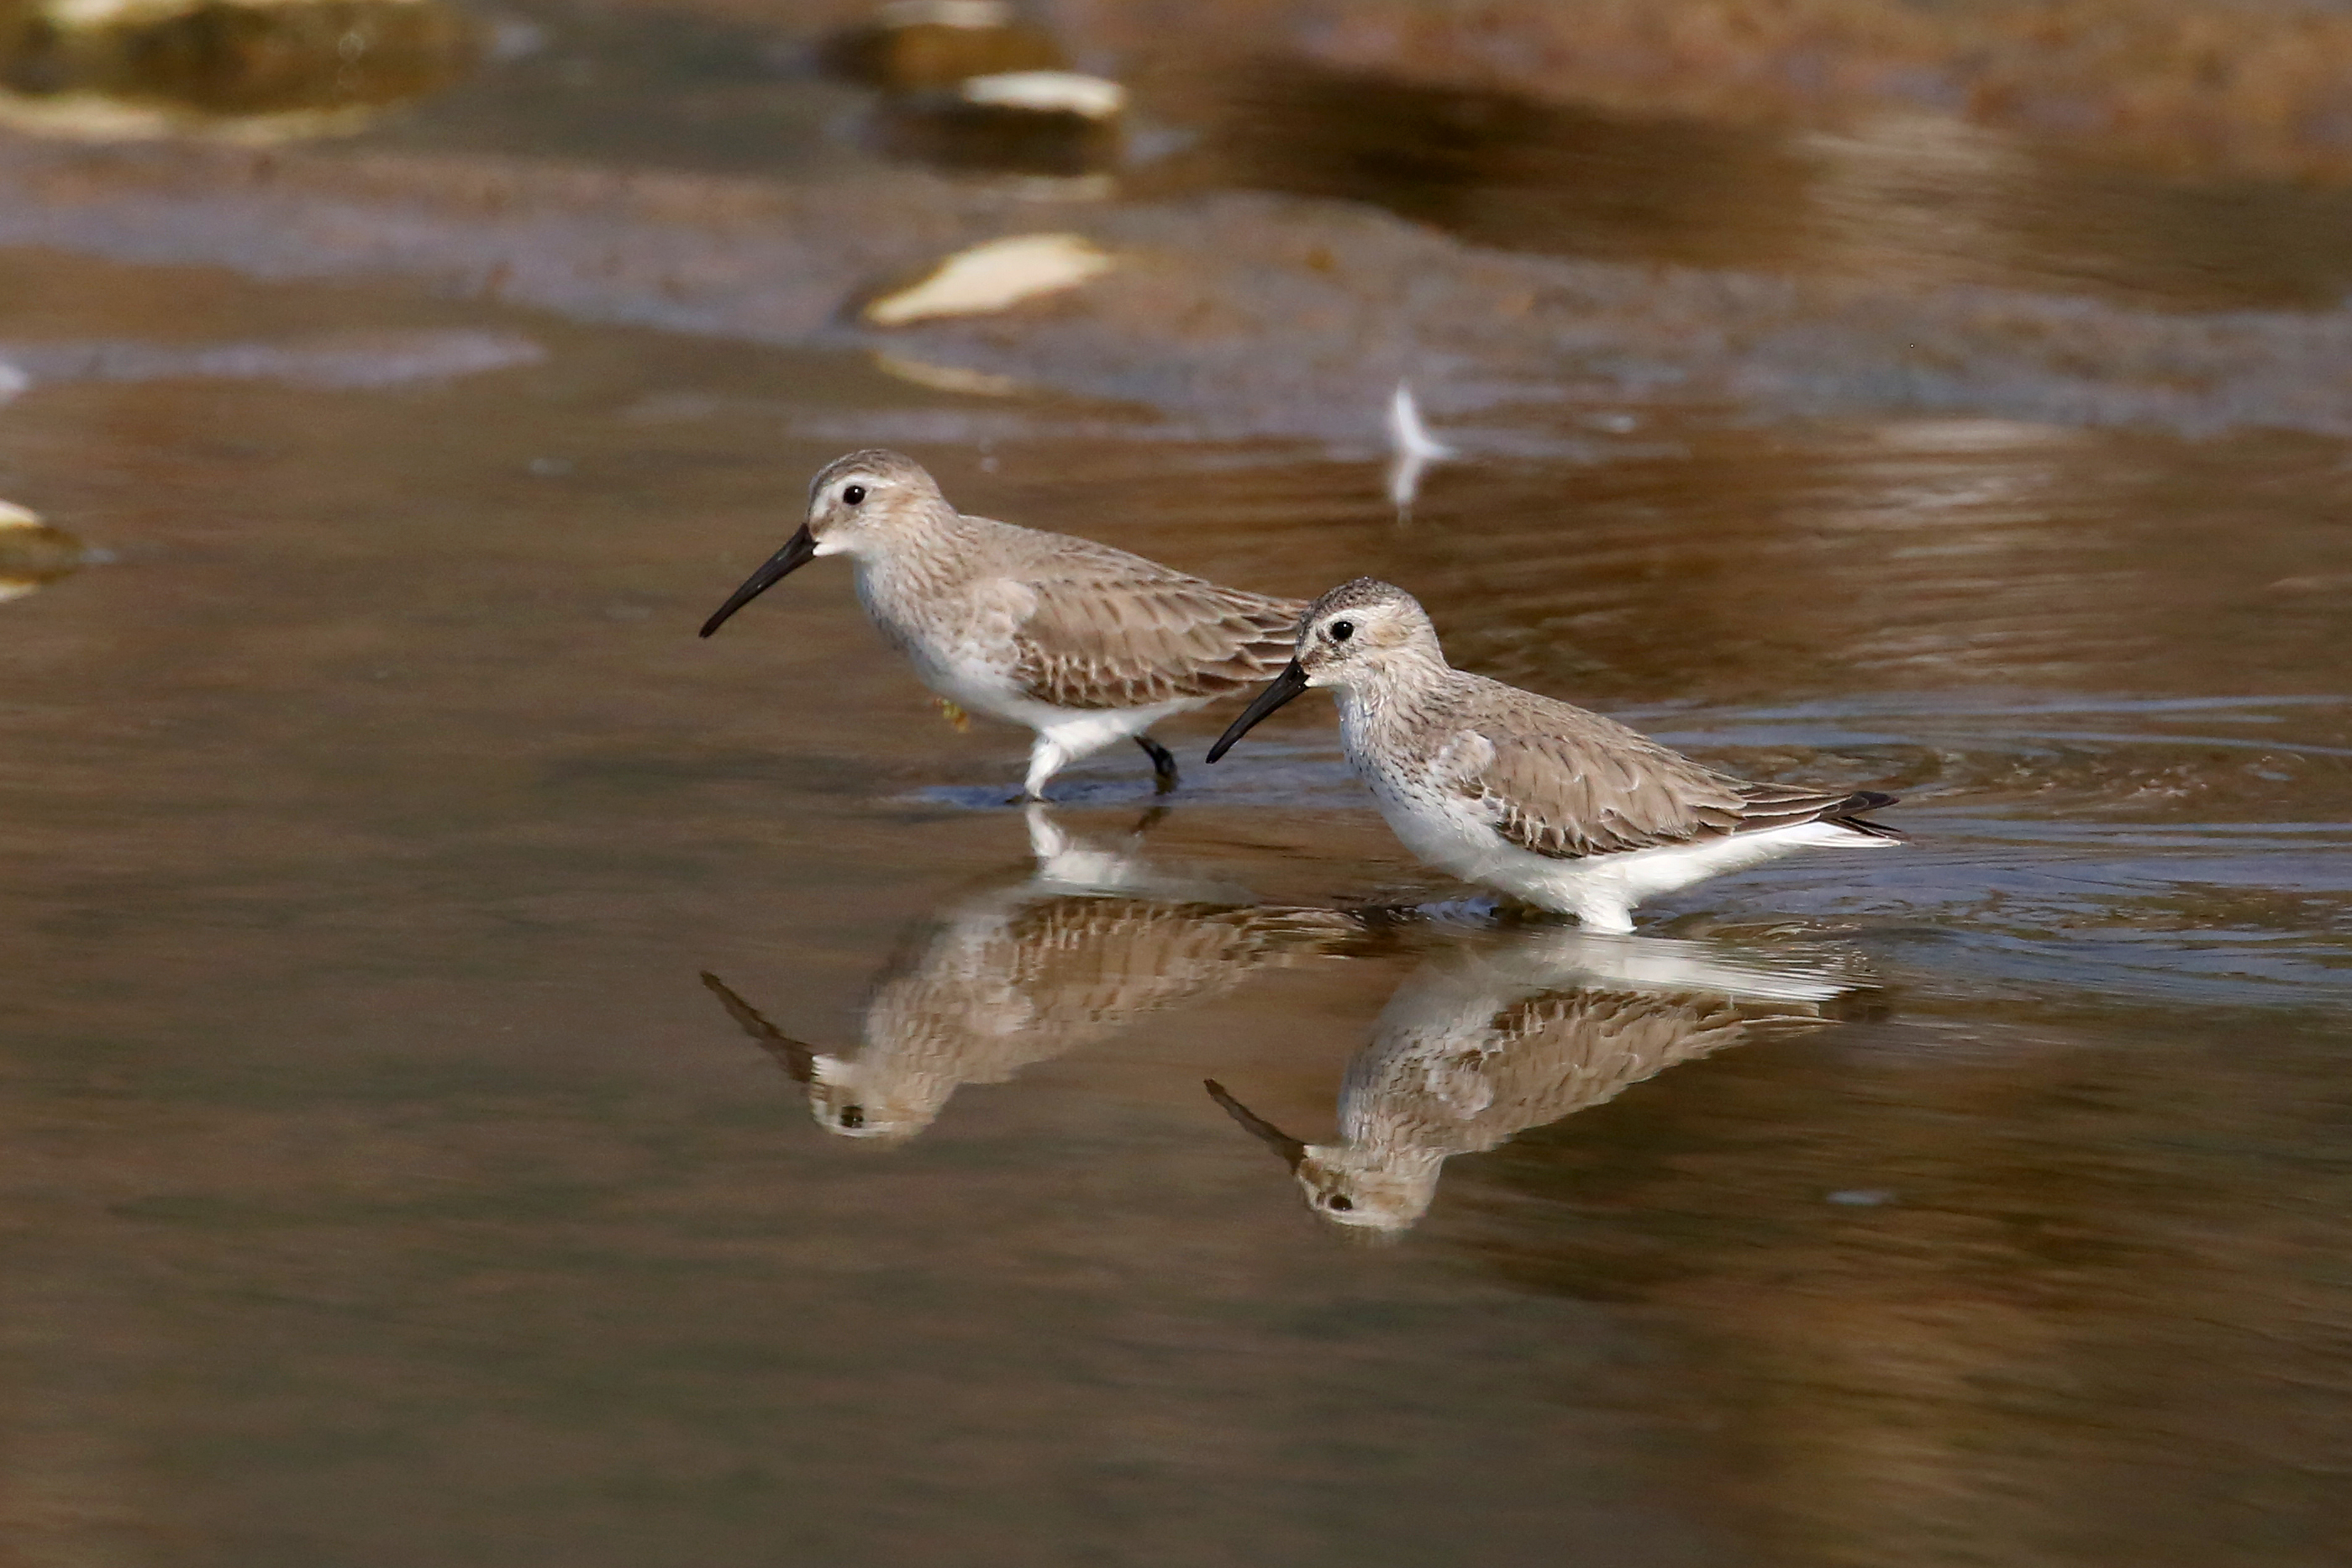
<point>957,632</point>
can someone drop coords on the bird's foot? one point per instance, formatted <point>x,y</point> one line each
<point>1163,764</point>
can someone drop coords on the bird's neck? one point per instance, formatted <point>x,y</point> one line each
<point>914,563</point>
<point>1391,693</point>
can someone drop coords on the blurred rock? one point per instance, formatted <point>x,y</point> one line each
<point>252,70</point>
<point>32,553</point>
<point>921,45</point>
<point>1043,122</point>
<point>991,276</point>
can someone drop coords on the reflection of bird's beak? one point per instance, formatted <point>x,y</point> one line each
<point>1281,690</point>
<point>1291,1150</point>
<point>795,1058</point>
<point>797,552</point>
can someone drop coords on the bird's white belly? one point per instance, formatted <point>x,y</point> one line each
<point>1077,731</point>
<point>1447,831</point>
<point>965,676</point>
<point>968,660</point>
<point>978,677</point>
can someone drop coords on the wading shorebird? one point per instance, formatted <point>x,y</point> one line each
<point>1083,643</point>
<point>1568,810</point>
<point>1094,940</point>
<point>1481,1044</point>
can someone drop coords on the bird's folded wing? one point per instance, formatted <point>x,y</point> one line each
<point>1114,637</point>
<point>1575,794</point>
<point>1591,786</point>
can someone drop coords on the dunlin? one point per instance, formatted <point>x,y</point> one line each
<point>1083,643</point>
<point>1483,1043</point>
<point>1563,808</point>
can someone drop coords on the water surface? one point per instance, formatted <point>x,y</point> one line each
<point>385,1185</point>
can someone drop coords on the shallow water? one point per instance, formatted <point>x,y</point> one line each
<point>385,1183</point>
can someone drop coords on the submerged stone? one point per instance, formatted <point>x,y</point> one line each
<point>244,69</point>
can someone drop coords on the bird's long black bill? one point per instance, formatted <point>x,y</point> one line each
<point>1291,1150</point>
<point>797,552</point>
<point>1281,690</point>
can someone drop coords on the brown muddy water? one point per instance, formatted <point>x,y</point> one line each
<point>385,1183</point>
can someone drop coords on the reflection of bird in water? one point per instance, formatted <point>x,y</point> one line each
<point>1480,1045</point>
<point>1094,940</point>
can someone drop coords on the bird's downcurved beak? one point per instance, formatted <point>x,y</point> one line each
<point>797,552</point>
<point>1281,690</point>
<point>1291,1150</point>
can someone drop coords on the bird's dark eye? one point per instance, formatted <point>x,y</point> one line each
<point>1342,630</point>
<point>853,1116</point>
<point>852,494</point>
<point>1340,1201</point>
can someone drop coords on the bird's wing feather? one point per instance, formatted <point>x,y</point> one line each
<point>1114,630</point>
<point>1576,784</point>
<point>1555,780</point>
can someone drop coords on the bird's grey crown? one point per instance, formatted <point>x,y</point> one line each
<point>1356,594</point>
<point>879,462</point>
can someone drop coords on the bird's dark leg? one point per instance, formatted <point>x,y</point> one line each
<point>1163,763</point>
